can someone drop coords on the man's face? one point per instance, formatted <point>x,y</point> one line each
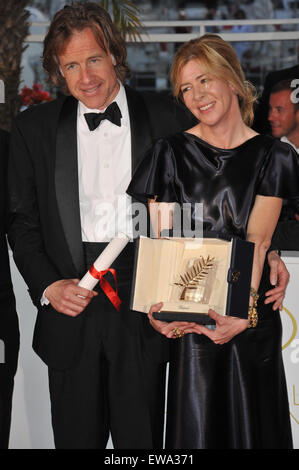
<point>88,70</point>
<point>282,116</point>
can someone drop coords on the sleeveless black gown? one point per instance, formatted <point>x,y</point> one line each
<point>230,396</point>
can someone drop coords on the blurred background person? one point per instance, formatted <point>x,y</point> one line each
<point>9,328</point>
<point>284,113</point>
<point>261,123</point>
<point>284,121</point>
<point>243,46</point>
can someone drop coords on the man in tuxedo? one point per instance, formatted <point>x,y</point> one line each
<point>261,123</point>
<point>284,113</point>
<point>284,121</point>
<point>106,367</point>
<point>9,329</point>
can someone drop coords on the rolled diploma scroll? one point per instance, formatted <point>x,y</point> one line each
<point>105,260</point>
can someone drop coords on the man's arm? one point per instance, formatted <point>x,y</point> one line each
<point>279,277</point>
<point>26,238</point>
<point>24,231</point>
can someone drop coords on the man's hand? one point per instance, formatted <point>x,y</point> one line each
<point>279,277</point>
<point>66,297</point>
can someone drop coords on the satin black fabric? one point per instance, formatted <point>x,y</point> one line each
<point>230,396</point>
<point>233,395</point>
<point>186,169</point>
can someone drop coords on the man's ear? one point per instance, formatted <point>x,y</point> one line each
<point>113,59</point>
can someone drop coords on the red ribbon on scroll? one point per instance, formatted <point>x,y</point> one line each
<point>111,294</point>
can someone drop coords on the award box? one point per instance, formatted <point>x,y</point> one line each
<point>191,276</point>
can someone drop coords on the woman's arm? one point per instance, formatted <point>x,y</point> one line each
<point>261,225</point>
<point>279,277</point>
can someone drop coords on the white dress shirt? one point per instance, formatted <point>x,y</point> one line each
<point>285,139</point>
<point>105,170</point>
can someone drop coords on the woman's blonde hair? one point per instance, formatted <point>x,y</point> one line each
<point>219,59</point>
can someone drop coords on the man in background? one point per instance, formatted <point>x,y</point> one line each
<point>284,113</point>
<point>284,121</point>
<point>9,329</point>
<point>261,123</point>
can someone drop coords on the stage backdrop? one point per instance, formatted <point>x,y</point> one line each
<point>31,418</point>
<point>290,343</point>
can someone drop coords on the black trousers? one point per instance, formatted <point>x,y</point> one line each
<point>9,337</point>
<point>6,392</point>
<point>116,386</point>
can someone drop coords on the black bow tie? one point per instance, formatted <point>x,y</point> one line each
<point>112,113</point>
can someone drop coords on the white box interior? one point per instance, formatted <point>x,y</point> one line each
<point>161,261</point>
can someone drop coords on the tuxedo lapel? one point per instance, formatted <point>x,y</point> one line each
<point>141,137</point>
<point>66,181</point>
<point>66,168</point>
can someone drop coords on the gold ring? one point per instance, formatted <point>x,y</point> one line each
<point>178,333</point>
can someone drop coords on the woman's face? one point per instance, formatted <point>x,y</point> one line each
<point>206,96</point>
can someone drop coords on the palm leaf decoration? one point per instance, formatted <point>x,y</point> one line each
<point>196,273</point>
<point>125,15</point>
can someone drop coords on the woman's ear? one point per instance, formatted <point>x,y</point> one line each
<point>113,59</point>
<point>233,89</point>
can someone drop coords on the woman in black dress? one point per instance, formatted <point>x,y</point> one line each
<point>226,385</point>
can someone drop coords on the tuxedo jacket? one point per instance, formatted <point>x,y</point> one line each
<point>9,330</point>
<point>261,123</point>
<point>45,228</point>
